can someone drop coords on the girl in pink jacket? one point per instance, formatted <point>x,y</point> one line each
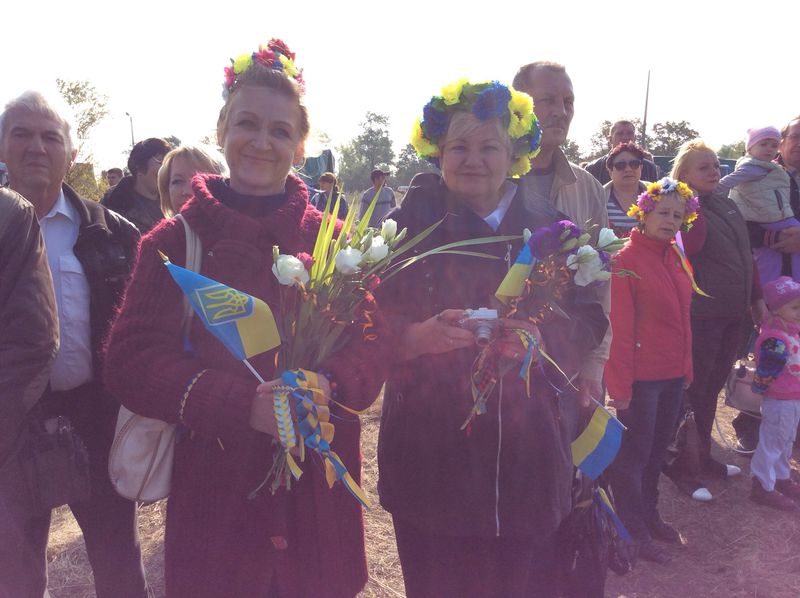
<point>777,377</point>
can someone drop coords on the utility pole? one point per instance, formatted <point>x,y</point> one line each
<point>644,120</point>
<point>131,119</point>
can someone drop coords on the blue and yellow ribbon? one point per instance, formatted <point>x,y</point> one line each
<point>314,428</point>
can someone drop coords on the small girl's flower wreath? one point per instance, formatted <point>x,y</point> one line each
<point>486,100</point>
<point>656,191</point>
<point>275,55</point>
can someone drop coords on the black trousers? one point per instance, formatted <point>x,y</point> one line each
<point>650,421</point>
<point>107,520</point>
<point>715,344</point>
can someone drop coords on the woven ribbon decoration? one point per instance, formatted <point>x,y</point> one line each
<point>301,388</point>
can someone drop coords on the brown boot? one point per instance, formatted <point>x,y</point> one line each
<point>772,499</point>
<point>788,488</point>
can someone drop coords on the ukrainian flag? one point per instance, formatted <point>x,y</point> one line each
<point>596,447</point>
<point>514,282</point>
<point>243,323</point>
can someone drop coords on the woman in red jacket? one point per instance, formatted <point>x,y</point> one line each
<point>307,541</point>
<point>651,356</point>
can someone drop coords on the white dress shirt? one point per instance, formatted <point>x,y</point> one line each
<point>73,364</point>
<point>495,218</point>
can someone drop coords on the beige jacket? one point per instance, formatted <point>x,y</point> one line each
<point>578,195</point>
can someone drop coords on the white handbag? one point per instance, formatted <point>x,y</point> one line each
<point>140,462</point>
<point>738,389</point>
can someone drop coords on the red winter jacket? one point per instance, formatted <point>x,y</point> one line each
<point>649,316</point>
<point>217,540</point>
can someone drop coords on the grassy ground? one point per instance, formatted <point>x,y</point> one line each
<point>734,549</point>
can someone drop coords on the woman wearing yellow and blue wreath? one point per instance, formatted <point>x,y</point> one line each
<point>475,509</point>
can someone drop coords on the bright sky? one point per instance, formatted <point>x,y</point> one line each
<point>722,66</point>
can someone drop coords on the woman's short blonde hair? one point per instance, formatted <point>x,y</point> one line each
<point>204,159</point>
<point>685,151</point>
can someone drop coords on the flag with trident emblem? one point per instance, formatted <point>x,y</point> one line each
<point>243,323</point>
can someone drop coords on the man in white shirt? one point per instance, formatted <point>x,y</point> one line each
<point>89,250</point>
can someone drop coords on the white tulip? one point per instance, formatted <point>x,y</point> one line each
<point>348,260</point>
<point>289,270</point>
<point>587,264</point>
<point>377,251</point>
<point>608,241</point>
<point>389,230</point>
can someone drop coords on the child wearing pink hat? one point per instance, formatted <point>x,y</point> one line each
<point>777,377</point>
<point>761,189</point>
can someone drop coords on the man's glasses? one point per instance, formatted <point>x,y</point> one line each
<point>620,165</point>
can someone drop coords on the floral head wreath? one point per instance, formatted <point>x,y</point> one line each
<point>275,55</point>
<point>656,191</point>
<point>484,101</point>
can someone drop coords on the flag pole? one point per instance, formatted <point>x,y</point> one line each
<point>603,407</point>
<point>253,370</point>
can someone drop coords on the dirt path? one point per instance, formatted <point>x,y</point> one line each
<point>734,549</point>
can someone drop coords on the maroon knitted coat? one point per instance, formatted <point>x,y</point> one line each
<point>218,542</point>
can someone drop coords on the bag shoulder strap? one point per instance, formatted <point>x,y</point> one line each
<point>194,259</point>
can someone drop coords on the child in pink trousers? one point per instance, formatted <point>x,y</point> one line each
<point>777,377</point>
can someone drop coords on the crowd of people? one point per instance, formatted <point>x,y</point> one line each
<point>90,319</point>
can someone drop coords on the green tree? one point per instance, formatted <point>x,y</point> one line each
<point>371,147</point>
<point>89,108</point>
<point>173,141</point>
<point>668,137</point>
<point>409,164</point>
<point>732,151</point>
<point>572,151</point>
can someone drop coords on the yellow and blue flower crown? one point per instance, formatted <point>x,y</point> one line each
<point>275,55</point>
<point>489,99</point>
<point>646,202</point>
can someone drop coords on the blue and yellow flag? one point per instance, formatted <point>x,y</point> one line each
<point>514,282</point>
<point>243,323</point>
<point>596,447</point>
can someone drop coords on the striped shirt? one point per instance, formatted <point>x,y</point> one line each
<point>620,222</point>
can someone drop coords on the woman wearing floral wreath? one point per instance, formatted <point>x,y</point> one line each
<point>307,541</point>
<point>475,511</point>
<point>718,247</point>
<point>650,362</point>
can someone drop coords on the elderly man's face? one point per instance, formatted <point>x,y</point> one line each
<point>790,146</point>
<point>554,103</point>
<point>622,134</point>
<point>35,150</point>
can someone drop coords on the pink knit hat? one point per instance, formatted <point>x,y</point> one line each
<point>780,291</point>
<point>756,135</point>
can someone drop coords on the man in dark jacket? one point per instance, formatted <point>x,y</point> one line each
<point>89,250</point>
<point>622,131</point>
<point>28,345</point>
<point>136,196</point>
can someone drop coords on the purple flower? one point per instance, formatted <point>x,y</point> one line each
<point>545,241</point>
<point>605,257</point>
<point>568,230</point>
<point>492,102</point>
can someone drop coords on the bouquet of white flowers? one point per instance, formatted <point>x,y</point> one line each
<point>323,295</point>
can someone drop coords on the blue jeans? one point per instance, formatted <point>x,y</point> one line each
<point>651,420</point>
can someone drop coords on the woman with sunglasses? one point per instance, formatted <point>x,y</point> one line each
<point>624,165</point>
